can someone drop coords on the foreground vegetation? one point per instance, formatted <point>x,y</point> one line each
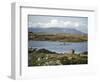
<point>65,37</point>
<point>43,57</point>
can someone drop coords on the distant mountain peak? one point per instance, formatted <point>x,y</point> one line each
<point>55,30</point>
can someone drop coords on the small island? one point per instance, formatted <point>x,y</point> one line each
<point>64,37</point>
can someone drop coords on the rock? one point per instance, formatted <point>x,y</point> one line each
<point>38,59</point>
<point>84,52</point>
<point>70,58</point>
<point>71,51</point>
<point>57,62</point>
<point>44,51</point>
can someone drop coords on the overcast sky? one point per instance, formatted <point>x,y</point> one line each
<point>79,23</point>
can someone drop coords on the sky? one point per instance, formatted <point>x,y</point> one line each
<point>40,21</point>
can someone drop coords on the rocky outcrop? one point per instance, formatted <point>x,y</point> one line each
<point>43,57</point>
<point>71,51</point>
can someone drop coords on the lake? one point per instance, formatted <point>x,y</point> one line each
<point>59,47</point>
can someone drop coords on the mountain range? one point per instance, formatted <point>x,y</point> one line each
<point>55,30</point>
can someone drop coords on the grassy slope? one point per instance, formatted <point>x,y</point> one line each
<point>52,58</point>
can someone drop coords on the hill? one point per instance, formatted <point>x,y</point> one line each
<point>55,30</point>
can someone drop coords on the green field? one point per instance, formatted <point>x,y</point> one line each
<point>65,37</point>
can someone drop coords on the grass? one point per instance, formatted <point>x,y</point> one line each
<point>43,57</point>
<point>65,37</point>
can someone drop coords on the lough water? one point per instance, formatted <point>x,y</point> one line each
<point>59,47</point>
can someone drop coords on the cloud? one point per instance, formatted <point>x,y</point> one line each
<point>76,24</point>
<point>55,23</point>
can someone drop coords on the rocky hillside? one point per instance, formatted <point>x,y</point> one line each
<point>43,57</point>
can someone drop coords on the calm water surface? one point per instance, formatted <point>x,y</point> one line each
<point>59,47</point>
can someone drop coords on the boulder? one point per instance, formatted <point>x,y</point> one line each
<point>71,51</point>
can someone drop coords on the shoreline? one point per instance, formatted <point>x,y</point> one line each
<point>76,52</point>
